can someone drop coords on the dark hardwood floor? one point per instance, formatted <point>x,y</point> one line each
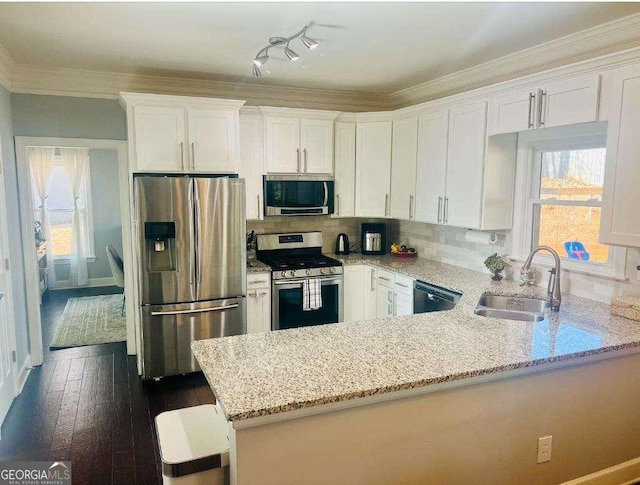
<point>88,405</point>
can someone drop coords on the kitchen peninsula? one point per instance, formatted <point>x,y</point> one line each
<point>447,397</point>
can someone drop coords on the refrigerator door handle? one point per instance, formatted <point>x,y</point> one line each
<point>196,240</point>
<point>200,310</point>
<point>192,249</point>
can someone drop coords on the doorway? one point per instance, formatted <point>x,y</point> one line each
<point>70,201</point>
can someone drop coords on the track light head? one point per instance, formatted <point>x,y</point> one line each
<point>291,54</point>
<point>308,42</point>
<point>277,40</point>
<point>256,71</point>
<point>261,60</point>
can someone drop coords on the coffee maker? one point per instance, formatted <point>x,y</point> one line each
<point>373,238</point>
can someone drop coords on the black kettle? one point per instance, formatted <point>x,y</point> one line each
<point>342,244</point>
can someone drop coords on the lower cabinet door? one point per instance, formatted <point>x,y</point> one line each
<point>404,304</point>
<point>354,293</point>
<point>370,306</point>
<point>384,301</point>
<point>258,310</point>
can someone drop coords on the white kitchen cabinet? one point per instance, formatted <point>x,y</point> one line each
<point>252,163</point>
<point>354,293</point>
<point>465,165</point>
<point>554,104</point>
<point>282,145</point>
<point>373,168</point>
<point>258,302</point>
<point>345,169</point>
<point>431,170</point>
<point>316,142</point>
<point>394,294</point>
<point>370,308</point>
<point>159,138</point>
<point>403,168</point>
<point>620,224</point>
<point>298,141</point>
<point>181,134</point>
<point>213,140</point>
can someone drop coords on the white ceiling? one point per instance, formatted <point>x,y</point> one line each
<point>375,47</point>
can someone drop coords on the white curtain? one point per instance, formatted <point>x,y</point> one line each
<point>40,168</point>
<point>76,165</point>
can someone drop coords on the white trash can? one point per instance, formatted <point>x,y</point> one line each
<point>194,446</point>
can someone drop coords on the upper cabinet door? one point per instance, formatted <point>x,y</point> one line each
<point>159,139</point>
<point>431,171</point>
<point>465,165</point>
<point>213,140</point>
<point>251,163</point>
<point>403,168</point>
<point>373,168</point>
<point>345,169</point>
<point>316,144</point>
<point>282,145</point>
<point>569,102</point>
<point>620,224</point>
<point>512,112</point>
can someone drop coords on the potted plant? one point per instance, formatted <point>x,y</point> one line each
<point>496,265</point>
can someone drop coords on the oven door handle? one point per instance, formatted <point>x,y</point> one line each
<point>298,282</point>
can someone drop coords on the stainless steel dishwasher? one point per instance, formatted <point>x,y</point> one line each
<point>430,298</point>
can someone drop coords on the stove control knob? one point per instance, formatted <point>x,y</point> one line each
<point>321,270</point>
<point>308,272</point>
<point>333,270</point>
<point>283,274</point>
<point>293,273</point>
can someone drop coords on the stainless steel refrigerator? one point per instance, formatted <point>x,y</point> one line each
<point>191,237</point>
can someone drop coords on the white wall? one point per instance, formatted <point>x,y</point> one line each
<point>13,221</point>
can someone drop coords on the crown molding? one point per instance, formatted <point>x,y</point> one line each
<point>6,68</point>
<point>99,84</point>
<point>618,35</point>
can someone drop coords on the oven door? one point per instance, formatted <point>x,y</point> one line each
<point>287,309</point>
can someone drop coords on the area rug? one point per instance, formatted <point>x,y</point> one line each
<point>91,320</point>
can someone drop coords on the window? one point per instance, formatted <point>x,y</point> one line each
<point>60,209</point>
<point>562,201</point>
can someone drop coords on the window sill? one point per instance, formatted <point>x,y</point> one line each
<point>604,273</point>
<point>66,260</point>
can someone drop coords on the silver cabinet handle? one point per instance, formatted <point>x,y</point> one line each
<point>304,151</point>
<point>410,206</point>
<point>439,209</point>
<point>395,304</point>
<point>257,282</point>
<point>193,156</point>
<point>445,215</point>
<point>532,97</point>
<point>253,294</point>
<point>386,204</point>
<point>402,285</point>
<point>201,310</point>
<point>259,207</point>
<point>263,293</point>
<point>384,278</point>
<point>298,158</point>
<point>541,119</point>
<point>182,154</point>
<point>338,203</point>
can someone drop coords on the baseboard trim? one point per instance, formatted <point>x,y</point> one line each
<point>625,473</point>
<point>93,283</point>
<point>23,374</point>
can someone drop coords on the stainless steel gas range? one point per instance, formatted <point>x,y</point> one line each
<point>301,274</point>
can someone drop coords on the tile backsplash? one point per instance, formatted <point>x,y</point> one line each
<point>329,226</point>
<point>447,244</point>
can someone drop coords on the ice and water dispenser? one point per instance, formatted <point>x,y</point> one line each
<point>160,240</point>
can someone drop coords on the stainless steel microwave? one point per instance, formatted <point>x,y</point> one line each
<point>298,195</point>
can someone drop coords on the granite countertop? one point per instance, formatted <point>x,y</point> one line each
<point>255,266</point>
<point>274,372</point>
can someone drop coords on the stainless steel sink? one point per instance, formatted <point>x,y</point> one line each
<point>512,308</point>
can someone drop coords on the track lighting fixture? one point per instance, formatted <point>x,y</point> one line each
<point>263,54</point>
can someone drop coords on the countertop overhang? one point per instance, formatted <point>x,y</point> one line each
<point>286,371</point>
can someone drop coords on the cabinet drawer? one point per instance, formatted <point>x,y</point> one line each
<point>404,285</point>
<point>258,280</point>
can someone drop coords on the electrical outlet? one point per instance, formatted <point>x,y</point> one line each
<point>544,449</point>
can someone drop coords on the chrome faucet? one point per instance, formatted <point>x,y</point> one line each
<point>553,287</point>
